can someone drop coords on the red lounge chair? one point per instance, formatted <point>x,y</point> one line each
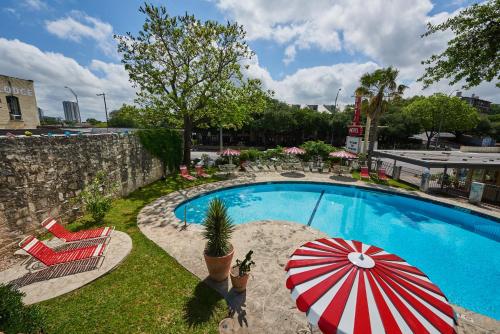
<point>381,174</point>
<point>185,174</point>
<point>50,257</point>
<point>201,172</point>
<point>60,232</point>
<point>364,173</point>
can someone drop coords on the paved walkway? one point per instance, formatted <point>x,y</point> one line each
<point>267,306</point>
<point>49,283</point>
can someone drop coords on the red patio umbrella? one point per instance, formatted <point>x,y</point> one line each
<point>230,153</point>
<point>346,286</point>
<point>343,155</point>
<point>294,150</point>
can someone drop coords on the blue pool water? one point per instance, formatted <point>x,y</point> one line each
<point>458,250</point>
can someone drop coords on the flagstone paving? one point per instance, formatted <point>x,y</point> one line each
<point>266,307</point>
<point>118,248</point>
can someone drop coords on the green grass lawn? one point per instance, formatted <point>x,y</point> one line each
<point>390,182</point>
<point>148,293</point>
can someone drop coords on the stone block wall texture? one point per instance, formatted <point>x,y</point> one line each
<point>40,175</point>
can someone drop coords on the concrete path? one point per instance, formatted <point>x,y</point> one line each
<point>118,248</point>
<point>266,307</point>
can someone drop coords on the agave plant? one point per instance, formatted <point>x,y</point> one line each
<point>218,229</point>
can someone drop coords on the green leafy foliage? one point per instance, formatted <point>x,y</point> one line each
<point>189,71</point>
<point>15,317</point>
<point>245,265</point>
<point>473,53</point>
<point>218,229</point>
<point>165,144</point>
<point>316,149</point>
<point>97,196</point>
<point>125,117</point>
<point>450,114</point>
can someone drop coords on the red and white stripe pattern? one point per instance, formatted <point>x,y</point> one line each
<point>230,153</point>
<point>343,155</point>
<point>349,287</point>
<point>62,233</point>
<point>294,150</point>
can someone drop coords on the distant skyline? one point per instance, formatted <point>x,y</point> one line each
<point>305,50</point>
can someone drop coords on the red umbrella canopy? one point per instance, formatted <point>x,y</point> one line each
<point>294,150</point>
<point>343,155</point>
<point>346,286</point>
<point>230,153</point>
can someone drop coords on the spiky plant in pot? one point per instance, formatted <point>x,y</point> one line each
<point>218,229</point>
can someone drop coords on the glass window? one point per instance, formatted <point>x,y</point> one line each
<point>14,109</point>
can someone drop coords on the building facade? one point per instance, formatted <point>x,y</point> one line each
<point>18,109</point>
<point>482,106</point>
<point>71,112</point>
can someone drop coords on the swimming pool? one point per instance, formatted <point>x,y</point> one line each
<point>457,249</point>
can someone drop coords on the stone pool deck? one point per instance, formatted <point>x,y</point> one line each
<point>266,307</point>
<point>49,283</point>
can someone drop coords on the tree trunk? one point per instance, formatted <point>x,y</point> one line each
<point>188,130</point>
<point>367,133</point>
<point>372,138</point>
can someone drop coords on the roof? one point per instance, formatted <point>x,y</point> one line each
<point>440,159</point>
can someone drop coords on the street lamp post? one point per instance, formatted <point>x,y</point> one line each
<point>441,122</point>
<point>105,109</point>
<point>77,104</point>
<point>334,111</point>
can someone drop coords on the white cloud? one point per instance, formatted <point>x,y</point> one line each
<point>35,4</point>
<point>78,26</point>
<point>314,85</point>
<point>52,71</point>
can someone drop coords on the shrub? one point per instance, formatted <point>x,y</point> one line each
<point>165,144</point>
<point>28,133</point>
<point>218,229</point>
<point>244,156</point>
<point>15,317</point>
<point>97,196</point>
<point>316,149</point>
<point>245,265</point>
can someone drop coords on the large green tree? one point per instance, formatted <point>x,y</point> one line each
<point>473,53</point>
<point>442,113</point>
<point>379,87</point>
<point>189,71</point>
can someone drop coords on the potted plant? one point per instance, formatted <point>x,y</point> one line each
<point>240,272</point>
<point>218,251</point>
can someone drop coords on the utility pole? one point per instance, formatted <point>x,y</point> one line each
<point>334,111</point>
<point>105,109</point>
<point>77,104</point>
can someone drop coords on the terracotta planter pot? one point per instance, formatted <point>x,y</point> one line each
<point>239,282</point>
<point>219,267</point>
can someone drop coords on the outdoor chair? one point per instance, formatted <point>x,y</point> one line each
<point>59,231</point>
<point>336,169</point>
<point>200,172</point>
<point>278,167</point>
<point>364,174</point>
<point>185,174</point>
<point>50,257</point>
<point>382,176</point>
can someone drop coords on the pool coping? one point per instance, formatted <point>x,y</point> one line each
<point>173,200</point>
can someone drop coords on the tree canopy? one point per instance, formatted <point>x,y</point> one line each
<point>473,53</point>
<point>442,113</point>
<point>126,117</point>
<point>189,71</point>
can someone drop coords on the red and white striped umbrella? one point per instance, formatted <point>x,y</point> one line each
<point>230,153</point>
<point>350,287</point>
<point>294,150</point>
<point>343,155</point>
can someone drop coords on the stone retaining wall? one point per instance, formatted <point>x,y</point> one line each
<point>40,175</point>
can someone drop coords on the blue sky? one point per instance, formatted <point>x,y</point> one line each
<point>305,50</point>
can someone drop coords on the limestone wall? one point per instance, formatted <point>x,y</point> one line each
<point>40,176</point>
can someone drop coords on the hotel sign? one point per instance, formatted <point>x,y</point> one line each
<point>16,90</point>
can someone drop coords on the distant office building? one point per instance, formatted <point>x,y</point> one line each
<point>40,114</point>
<point>18,108</point>
<point>482,105</point>
<point>71,112</point>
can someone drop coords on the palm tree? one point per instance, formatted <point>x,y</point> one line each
<point>379,88</point>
